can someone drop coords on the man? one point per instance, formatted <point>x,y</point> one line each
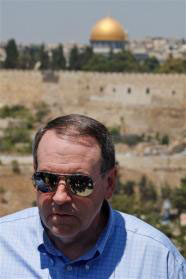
<point>74,233</point>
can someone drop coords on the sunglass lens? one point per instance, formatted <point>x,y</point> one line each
<point>39,183</point>
<point>80,185</point>
<point>45,182</point>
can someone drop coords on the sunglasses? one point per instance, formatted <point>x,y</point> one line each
<point>77,184</point>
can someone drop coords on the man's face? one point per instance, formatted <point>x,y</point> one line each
<point>66,215</point>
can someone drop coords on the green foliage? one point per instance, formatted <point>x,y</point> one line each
<point>78,60</point>
<point>44,58</point>
<point>124,203</point>
<point>86,60</point>
<point>120,62</point>
<point>151,65</point>
<point>132,140</point>
<point>97,63</point>
<point>12,55</point>
<point>74,59</point>
<point>2,190</point>
<point>16,138</point>
<point>58,60</point>
<point>129,139</point>
<point>165,140</point>
<point>179,197</point>
<point>173,65</point>
<point>180,240</point>
<point>17,135</point>
<point>142,202</point>
<point>12,139</point>
<point>128,187</point>
<point>42,110</point>
<point>114,131</point>
<point>125,62</point>
<point>16,111</point>
<point>147,190</point>
<point>28,57</point>
<point>166,192</point>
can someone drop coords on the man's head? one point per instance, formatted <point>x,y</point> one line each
<point>80,151</point>
<point>75,125</point>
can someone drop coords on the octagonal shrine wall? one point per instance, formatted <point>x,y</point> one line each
<point>139,103</point>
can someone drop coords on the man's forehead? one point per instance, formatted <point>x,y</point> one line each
<point>71,136</point>
<point>67,151</point>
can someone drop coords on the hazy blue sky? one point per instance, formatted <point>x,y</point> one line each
<point>36,21</point>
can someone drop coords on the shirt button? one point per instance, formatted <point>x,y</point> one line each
<point>87,267</point>
<point>69,267</point>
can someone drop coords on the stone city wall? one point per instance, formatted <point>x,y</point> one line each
<point>139,103</point>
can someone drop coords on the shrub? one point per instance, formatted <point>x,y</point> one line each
<point>128,187</point>
<point>42,110</point>
<point>2,190</point>
<point>15,167</point>
<point>165,140</point>
<point>16,134</point>
<point>114,131</point>
<point>16,111</point>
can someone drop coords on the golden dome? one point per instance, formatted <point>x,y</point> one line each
<point>108,29</point>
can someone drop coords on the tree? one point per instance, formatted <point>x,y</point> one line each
<point>173,65</point>
<point>44,58</point>
<point>119,62</point>
<point>12,55</point>
<point>125,62</point>
<point>85,56</point>
<point>129,188</point>
<point>97,63</point>
<point>147,190</point>
<point>25,59</point>
<point>74,59</point>
<point>58,60</point>
<point>151,65</point>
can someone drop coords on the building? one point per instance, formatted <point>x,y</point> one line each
<point>108,34</point>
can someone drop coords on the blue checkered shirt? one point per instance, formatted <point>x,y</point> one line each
<point>127,249</point>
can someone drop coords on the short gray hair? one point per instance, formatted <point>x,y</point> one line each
<point>81,125</point>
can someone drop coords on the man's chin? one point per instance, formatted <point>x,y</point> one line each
<point>65,233</point>
<point>62,227</point>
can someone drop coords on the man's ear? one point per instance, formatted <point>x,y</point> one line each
<point>111,183</point>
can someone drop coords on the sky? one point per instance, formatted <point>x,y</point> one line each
<point>69,21</point>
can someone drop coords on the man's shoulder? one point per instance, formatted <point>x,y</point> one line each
<point>21,216</point>
<point>141,232</point>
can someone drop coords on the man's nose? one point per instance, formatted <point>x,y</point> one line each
<point>61,195</point>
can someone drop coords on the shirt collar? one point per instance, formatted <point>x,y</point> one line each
<point>45,244</point>
<point>108,229</point>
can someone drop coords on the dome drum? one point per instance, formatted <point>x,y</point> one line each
<point>110,44</point>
